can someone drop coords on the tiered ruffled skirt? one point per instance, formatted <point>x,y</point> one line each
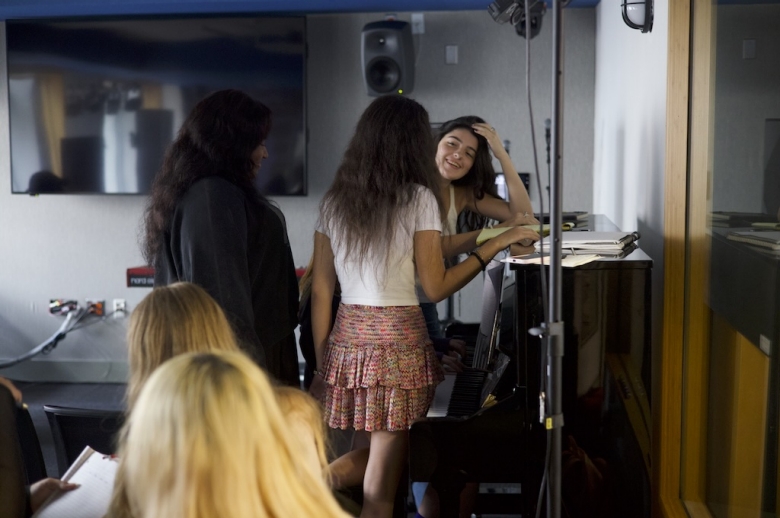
<point>380,368</point>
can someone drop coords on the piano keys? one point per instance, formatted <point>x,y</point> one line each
<point>462,394</point>
<point>459,395</point>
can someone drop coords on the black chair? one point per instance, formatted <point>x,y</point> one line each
<point>73,429</point>
<point>32,456</point>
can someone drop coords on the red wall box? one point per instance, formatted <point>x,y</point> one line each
<point>140,277</point>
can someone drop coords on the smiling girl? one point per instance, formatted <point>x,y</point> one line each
<point>468,182</point>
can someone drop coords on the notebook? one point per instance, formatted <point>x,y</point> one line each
<point>601,243</point>
<point>738,219</point>
<point>95,473</point>
<point>763,238</point>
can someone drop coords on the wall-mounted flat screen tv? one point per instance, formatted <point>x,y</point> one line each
<point>95,102</point>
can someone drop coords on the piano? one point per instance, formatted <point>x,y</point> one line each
<point>606,436</point>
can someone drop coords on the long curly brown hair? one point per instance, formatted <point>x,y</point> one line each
<point>481,178</point>
<point>217,139</point>
<point>387,158</point>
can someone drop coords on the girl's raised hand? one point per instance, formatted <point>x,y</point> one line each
<point>491,135</point>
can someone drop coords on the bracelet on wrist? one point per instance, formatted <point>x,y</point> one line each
<point>482,262</point>
<point>319,373</point>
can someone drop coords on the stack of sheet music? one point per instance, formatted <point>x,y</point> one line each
<point>739,219</point>
<point>605,244</point>
<point>762,238</point>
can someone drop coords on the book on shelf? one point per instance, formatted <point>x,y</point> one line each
<point>764,238</point>
<point>768,225</point>
<point>738,219</point>
<point>95,473</point>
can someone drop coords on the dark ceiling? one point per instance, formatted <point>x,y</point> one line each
<point>10,9</point>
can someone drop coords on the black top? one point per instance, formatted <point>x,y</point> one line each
<point>13,496</point>
<point>236,248</point>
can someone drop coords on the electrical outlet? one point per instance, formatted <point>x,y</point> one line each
<point>96,307</point>
<point>120,308</point>
<point>418,23</point>
<point>62,306</point>
<point>451,54</point>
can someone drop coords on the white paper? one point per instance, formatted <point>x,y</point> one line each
<point>95,473</point>
<point>567,261</point>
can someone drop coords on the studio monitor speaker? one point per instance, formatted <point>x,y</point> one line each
<point>388,58</point>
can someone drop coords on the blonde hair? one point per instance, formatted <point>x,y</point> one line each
<point>304,416</point>
<point>171,320</point>
<point>208,439</point>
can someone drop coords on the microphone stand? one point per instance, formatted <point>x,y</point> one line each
<point>554,328</point>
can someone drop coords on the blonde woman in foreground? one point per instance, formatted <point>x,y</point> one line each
<point>206,438</point>
<point>171,320</point>
<point>304,418</point>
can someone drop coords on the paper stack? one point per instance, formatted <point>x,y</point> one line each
<point>762,238</point>
<point>605,244</point>
<point>567,261</point>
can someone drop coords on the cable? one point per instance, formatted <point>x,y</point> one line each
<point>542,271</point>
<point>544,476</point>
<point>49,344</point>
<point>98,319</point>
<point>527,8</point>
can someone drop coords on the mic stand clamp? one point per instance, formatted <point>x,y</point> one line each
<point>550,333</point>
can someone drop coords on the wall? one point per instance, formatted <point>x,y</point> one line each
<point>747,93</point>
<point>630,132</point>
<point>79,246</point>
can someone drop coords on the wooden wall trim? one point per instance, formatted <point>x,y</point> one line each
<point>667,408</point>
<point>696,370</point>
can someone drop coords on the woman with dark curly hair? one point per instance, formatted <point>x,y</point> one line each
<point>206,223</point>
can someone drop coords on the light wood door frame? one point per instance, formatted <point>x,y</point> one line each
<point>667,405</point>
<point>681,445</point>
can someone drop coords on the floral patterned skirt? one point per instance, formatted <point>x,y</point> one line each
<point>380,368</point>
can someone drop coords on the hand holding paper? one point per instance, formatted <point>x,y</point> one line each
<point>490,233</point>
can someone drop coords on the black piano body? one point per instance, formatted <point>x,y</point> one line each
<point>606,367</point>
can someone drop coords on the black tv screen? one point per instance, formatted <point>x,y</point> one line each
<point>94,103</point>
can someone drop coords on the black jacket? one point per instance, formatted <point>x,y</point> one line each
<point>235,246</point>
<point>14,498</point>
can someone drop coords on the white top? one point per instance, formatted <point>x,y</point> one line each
<point>371,283</point>
<point>450,230</point>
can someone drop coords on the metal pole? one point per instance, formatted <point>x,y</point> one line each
<point>554,419</point>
